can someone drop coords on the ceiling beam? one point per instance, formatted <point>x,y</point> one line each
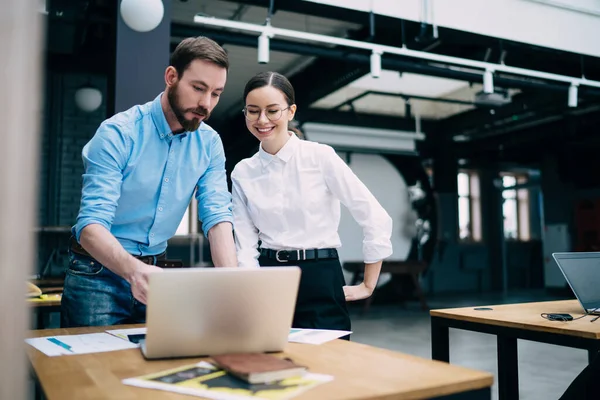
<point>554,127</point>
<point>473,121</point>
<point>357,56</point>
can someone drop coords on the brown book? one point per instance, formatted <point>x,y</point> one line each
<point>258,367</point>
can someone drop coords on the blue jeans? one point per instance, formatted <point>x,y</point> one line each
<point>95,296</point>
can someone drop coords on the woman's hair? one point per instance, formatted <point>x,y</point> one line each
<point>279,82</point>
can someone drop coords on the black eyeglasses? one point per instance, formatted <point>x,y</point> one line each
<point>273,114</point>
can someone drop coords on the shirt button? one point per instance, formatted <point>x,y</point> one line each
<point>172,151</point>
<point>152,235</point>
<point>166,179</point>
<point>159,208</point>
<point>162,136</point>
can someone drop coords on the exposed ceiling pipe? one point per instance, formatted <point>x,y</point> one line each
<point>401,51</point>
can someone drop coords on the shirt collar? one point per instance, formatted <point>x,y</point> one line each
<point>284,154</point>
<point>160,121</point>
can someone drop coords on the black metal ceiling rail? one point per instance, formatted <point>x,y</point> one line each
<point>398,63</point>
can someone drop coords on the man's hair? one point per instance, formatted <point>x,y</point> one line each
<point>197,48</point>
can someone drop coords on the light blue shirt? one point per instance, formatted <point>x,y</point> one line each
<point>140,178</point>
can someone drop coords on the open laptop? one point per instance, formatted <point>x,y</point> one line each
<point>582,272</point>
<point>209,311</point>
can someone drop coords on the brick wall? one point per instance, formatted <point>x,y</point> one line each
<point>77,129</point>
<point>65,130</point>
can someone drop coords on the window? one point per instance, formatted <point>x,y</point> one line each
<point>515,207</point>
<point>469,207</point>
<point>189,222</point>
<point>184,225</point>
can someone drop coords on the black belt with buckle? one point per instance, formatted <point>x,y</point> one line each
<point>299,255</point>
<point>159,260</point>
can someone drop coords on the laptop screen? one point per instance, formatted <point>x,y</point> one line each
<point>582,272</point>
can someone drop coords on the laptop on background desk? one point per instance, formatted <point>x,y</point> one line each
<point>582,272</point>
<point>209,311</point>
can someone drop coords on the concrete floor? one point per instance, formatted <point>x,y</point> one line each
<point>545,371</point>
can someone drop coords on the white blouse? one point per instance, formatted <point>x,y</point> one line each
<point>291,200</point>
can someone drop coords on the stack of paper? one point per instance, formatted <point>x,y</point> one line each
<point>205,380</point>
<point>315,336</point>
<point>79,344</point>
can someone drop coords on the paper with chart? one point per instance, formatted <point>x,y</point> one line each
<point>315,336</point>
<point>79,344</point>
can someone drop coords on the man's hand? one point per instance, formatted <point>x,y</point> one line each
<point>139,280</point>
<point>357,292</point>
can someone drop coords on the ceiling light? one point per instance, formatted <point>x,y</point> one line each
<point>263,48</point>
<point>88,98</point>
<point>488,82</point>
<point>142,15</point>
<point>375,64</point>
<point>573,95</point>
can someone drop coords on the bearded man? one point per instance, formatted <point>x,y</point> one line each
<point>142,167</point>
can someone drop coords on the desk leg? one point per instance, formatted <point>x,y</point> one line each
<point>593,352</point>
<point>440,340</point>
<point>40,323</point>
<point>508,368</point>
<point>38,392</point>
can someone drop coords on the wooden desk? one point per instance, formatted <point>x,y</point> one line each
<point>360,371</point>
<point>510,322</point>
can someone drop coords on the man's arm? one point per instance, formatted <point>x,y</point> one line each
<point>105,248</point>
<point>222,246</point>
<point>105,158</point>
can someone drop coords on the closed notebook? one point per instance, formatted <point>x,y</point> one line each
<point>258,367</point>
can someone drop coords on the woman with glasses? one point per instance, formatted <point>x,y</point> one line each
<point>287,197</point>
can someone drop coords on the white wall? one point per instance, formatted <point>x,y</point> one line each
<point>540,22</point>
<point>389,188</point>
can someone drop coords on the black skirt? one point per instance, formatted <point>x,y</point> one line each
<point>321,303</point>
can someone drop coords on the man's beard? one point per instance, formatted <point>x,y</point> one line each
<point>189,125</point>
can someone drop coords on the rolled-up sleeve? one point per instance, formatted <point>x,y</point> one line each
<point>364,207</point>
<point>104,159</point>
<point>246,234</point>
<point>214,199</point>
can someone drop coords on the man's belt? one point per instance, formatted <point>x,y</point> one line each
<point>159,260</point>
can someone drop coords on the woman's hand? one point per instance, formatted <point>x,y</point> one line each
<point>357,292</point>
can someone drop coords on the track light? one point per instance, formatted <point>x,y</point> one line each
<point>488,81</point>
<point>376,64</point>
<point>263,48</point>
<point>573,95</point>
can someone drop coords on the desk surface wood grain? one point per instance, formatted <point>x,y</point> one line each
<point>528,316</point>
<point>360,371</point>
